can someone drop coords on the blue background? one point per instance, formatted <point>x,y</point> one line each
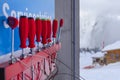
<point>34,6</point>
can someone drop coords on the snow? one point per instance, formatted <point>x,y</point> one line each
<point>16,54</point>
<point>99,22</point>
<point>98,54</point>
<point>113,46</point>
<point>107,72</point>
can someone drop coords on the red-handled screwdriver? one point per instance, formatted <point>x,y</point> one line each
<point>12,22</point>
<point>38,32</point>
<point>59,30</point>
<point>44,33</point>
<point>31,34</point>
<point>23,33</point>
<point>55,27</point>
<point>31,38</point>
<point>49,32</point>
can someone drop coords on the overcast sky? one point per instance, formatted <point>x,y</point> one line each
<point>100,6</point>
<point>107,15</point>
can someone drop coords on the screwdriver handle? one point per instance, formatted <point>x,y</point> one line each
<point>23,31</point>
<point>61,22</point>
<point>44,32</point>
<point>49,26</point>
<point>38,29</point>
<point>32,32</point>
<point>55,27</point>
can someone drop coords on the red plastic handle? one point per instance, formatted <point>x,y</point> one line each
<point>55,27</point>
<point>61,22</point>
<point>38,29</point>
<point>23,31</point>
<point>12,22</point>
<point>49,26</point>
<point>44,31</point>
<point>32,32</point>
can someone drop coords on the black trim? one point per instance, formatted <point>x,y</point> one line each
<point>22,16</point>
<point>2,74</point>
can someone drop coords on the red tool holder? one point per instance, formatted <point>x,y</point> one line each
<point>15,71</point>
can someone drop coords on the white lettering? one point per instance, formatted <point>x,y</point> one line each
<point>17,14</point>
<point>25,14</point>
<point>13,13</point>
<point>5,6</point>
<point>34,15</point>
<point>30,15</point>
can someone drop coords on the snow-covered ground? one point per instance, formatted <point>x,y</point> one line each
<point>109,72</point>
<point>5,58</point>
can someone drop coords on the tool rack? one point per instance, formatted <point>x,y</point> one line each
<point>42,63</point>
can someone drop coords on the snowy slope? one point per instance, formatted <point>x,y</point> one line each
<point>99,22</point>
<point>109,72</point>
<point>113,46</point>
<point>96,29</point>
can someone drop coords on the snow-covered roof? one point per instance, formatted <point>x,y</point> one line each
<point>113,46</point>
<point>98,55</point>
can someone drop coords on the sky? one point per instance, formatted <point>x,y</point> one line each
<point>99,22</point>
<point>100,6</point>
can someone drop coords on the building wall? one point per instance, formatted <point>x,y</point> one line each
<point>69,54</point>
<point>112,56</point>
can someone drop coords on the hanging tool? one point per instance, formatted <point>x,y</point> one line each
<point>55,27</point>
<point>12,22</point>
<point>59,30</point>
<point>49,26</point>
<point>44,33</point>
<point>31,38</point>
<point>23,33</point>
<point>31,34</point>
<point>38,32</point>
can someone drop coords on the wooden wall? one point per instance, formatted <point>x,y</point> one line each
<point>112,56</point>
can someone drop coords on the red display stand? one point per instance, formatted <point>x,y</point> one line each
<point>35,67</point>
